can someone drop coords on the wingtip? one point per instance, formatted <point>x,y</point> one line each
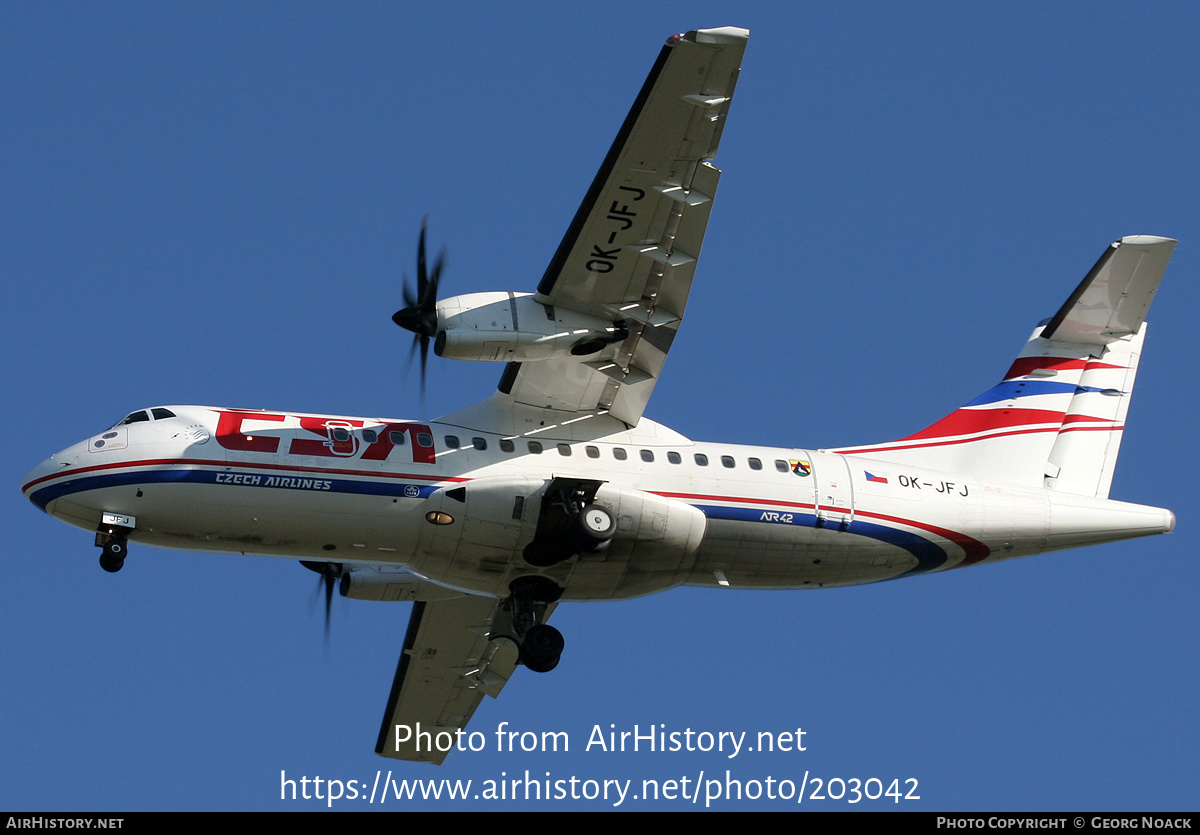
<point>1146,240</point>
<point>722,34</point>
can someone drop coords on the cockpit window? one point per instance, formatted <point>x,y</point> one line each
<point>134,418</point>
<point>161,413</point>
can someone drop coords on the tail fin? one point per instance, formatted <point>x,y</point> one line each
<point>1057,418</point>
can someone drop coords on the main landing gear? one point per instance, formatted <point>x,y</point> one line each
<point>113,542</point>
<point>570,523</point>
<point>539,645</point>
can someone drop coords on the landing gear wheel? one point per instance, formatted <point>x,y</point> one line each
<point>542,647</point>
<point>522,617</point>
<point>593,528</point>
<point>112,555</point>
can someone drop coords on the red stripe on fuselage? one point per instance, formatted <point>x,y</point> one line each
<point>208,462</point>
<point>704,497</point>
<point>974,550</point>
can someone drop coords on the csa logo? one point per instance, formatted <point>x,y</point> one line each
<point>801,468</point>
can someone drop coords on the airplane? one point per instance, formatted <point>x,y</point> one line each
<point>556,488</point>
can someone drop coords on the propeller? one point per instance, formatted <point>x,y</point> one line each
<point>419,314</point>
<point>330,573</point>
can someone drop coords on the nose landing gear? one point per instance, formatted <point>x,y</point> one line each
<point>113,542</point>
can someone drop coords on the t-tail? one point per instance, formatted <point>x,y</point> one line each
<point>1057,417</point>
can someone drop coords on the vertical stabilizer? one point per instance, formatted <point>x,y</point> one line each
<point>1057,417</point>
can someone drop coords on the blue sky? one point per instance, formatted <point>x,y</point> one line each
<point>214,205</point>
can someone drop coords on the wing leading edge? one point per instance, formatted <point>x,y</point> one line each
<point>630,253</point>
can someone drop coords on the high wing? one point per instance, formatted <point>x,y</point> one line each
<point>627,258</point>
<point>631,250</point>
<point>446,667</point>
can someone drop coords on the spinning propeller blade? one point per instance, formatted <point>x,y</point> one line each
<point>419,314</point>
<point>330,573</point>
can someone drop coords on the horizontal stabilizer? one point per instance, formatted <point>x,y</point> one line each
<point>1112,300</point>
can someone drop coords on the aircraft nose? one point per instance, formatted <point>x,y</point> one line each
<point>37,475</point>
<point>44,472</point>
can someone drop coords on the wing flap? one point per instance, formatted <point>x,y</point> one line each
<point>446,667</point>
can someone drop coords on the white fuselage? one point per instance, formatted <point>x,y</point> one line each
<point>361,490</point>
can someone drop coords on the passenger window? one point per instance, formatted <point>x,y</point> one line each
<point>451,442</point>
<point>701,459</point>
<point>674,458</point>
<point>727,461</point>
<point>424,439</point>
<point>782,466</point>
<point>619,453</point>
<point>397,438</point>
<point>370,436</point>
<point>647,456</point>
<point>564,450</point>
<point>755,464</point>
<point>162,414</point>
<point>506,445</point>
<point>592,452</point>
<point>341,434</point>
<point>479,443</point>
<point>535,447</point>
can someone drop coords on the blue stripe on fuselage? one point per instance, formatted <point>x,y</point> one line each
<point>930,556</point>
<point>278,481</point>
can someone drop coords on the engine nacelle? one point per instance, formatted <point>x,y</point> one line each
<point>513,327</point>
<point>661,531</point>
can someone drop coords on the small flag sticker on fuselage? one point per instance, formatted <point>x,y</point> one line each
<point>878,478</point>
<point>801,468</point>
